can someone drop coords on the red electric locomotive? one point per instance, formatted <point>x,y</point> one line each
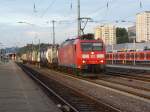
<point>82,53</point>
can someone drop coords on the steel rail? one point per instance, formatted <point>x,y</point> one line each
<point>124,84</point>
<point>49,89</point>
<point>127,75</point>
<point>110,86</point>
<point>83,106</point>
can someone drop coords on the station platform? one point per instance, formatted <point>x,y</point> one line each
<point>19,93</point>
<point>135,67</point>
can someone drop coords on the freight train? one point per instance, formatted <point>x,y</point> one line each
<point>49,56</point>
<point>129,57</point>
<point>80,54</point>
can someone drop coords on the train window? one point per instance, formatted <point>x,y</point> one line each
<point>97,46</point>
<point>122,56</point>
<point>147,55</point>
<point>107,55</point>
<point>91,46</point>
<point>132,55</point>
<point>128,56</point>
<point>86,46</point>
<point>136,55</point>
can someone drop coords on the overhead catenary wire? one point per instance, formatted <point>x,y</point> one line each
<point>35,4</point>
<point>97,10</point>
<point>71,6</point>
<point>140,5</point>
<point>125,18</point>
<point>69,15</point>
<point>105,6</point>
<point>50,5</point>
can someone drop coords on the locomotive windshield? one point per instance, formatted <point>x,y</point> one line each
<point>91,46</point>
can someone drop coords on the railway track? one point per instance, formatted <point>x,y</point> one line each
<point>68,99</point>
<point>123,87</point>
<point>128,75</point>
<point>124,84</point>
<point>134,90</point>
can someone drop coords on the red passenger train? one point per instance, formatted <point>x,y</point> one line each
<point>82,53</point>
<point>129,57</point>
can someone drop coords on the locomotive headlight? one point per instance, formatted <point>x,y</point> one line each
<point>85,55</point>
<point>100,55</point>
<point>83,62</point>
<point>102,61</point>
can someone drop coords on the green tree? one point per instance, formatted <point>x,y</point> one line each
<point>122,35</point>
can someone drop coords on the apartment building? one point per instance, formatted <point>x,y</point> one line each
<point>107,33</point>
<point>143,26</point>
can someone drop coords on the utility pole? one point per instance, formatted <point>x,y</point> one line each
<point>32,52</point>
<point>39,53</point>
<point>79,19</point>
<point>53,22</point>
<point>53,46</point>
<point>0,52</point>
<point>134,46</point>
<point>112,53</point>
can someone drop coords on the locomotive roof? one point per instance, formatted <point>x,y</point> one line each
<point>83,38</point>
<point>68,41</point>
<point>87,37</point>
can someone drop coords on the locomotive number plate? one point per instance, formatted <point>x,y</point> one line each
<point>93,56</point>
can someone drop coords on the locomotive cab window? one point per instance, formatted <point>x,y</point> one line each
<point>97,46</point>
<point>91,46</point>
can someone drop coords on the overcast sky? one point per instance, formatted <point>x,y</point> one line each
<point>40,16</point>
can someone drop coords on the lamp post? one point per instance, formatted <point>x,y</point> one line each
<point>134,47</point>
<point>23,22</point>
<point>79,19</point>
<point>112,46</point>
<point>0,52</point>
<point>39,47</point>
<point>53,32</point>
